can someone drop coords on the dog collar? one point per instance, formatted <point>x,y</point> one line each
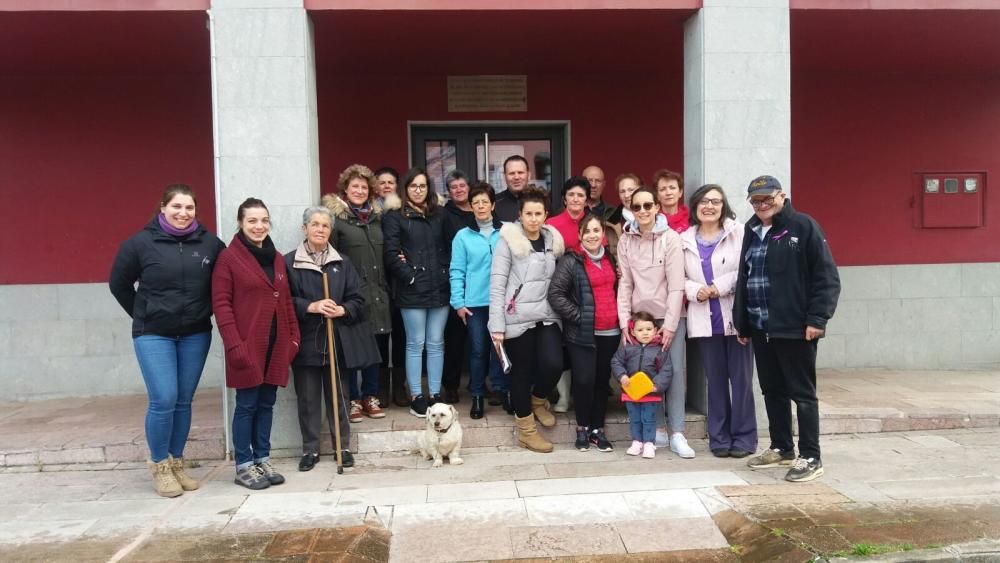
<point>439,431</point>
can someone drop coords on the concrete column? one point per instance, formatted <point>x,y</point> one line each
<point>737,96</point>
<point>267,145</point>
<point>737,110</point>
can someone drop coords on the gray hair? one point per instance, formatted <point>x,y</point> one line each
<point>454,175</point>
<point>310,211</point>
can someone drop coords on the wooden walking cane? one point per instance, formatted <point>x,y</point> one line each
<point>332,347</point>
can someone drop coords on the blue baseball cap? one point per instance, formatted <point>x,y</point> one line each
<point>763,185</point>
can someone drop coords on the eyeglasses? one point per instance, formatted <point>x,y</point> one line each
<point>636,207</point>
<point>766,202</point>
<point>418,187</point>
<point>715,202</point>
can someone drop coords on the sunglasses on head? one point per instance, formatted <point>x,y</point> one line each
<point>636,207</point>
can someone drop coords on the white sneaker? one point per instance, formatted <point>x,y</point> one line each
<point>662,440</point>
<point>648,450</point>
<point>635,448</point>
<point>679,445</point>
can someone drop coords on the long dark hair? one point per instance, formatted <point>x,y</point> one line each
<point>431,203</point>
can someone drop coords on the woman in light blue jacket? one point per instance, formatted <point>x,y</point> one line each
<point>471,261</point>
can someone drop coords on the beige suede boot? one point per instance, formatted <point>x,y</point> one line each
<point>187,482</point>
<point>540,408</point>
<point>528,436</point>
<point>164,482</point>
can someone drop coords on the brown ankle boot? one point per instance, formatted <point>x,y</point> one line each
<point>540,408</point>
<point>187,482</point>
<point>164,482</point>
<point>528,436</point>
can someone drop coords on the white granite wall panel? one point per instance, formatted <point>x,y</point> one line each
<point>241,32</point>
<point>262,82</point>
<point>981,280</point>
<point>737,29</point>
<point>258,132</point>
<point>932,280</point>
<point>266,175</point>
<point>912,316</point>
<point>35,302</point>
<point>738,76</point>
<point>738,124</point>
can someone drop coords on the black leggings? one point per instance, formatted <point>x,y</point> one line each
<point>535,365</point>
<point>591,368</point>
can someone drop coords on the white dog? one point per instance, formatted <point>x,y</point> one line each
<point>443,436</point>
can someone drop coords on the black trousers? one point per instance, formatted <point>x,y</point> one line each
<point>786,368</point>
<point>455,333</point>
<point>311,383</point>
<point>591,369</point>
<point>535,365</point>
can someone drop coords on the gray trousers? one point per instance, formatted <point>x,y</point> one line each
<point>310,383</point>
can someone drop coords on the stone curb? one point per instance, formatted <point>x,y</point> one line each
<point>111,453</point>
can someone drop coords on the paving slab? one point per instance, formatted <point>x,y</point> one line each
<point>670,535</point>
<point>562,541</point>
<point>497,512</point>
<point>577,509</point>
<point>939,488</point>
<point>479,543</point>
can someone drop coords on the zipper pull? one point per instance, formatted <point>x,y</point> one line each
<point>180,248</point>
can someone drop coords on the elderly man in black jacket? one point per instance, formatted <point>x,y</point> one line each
<point>787,291</point>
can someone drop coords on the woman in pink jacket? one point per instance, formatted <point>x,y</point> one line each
<point>711,263</point>
<point>652,267</point>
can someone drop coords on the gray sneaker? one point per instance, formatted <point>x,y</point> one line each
<point>252,478</point>
<point>804,469</point>
<point>272,476</point>
<point>771,458</point>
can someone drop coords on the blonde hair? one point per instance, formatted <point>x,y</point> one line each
<point>354,172</point>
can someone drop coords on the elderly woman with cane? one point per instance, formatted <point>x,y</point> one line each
<point>338,302</point>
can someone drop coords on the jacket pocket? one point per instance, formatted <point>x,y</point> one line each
<point>238,357</point>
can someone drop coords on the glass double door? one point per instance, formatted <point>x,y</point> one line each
<point>480,152</point>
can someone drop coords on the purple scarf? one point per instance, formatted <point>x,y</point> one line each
<point>174,231</point>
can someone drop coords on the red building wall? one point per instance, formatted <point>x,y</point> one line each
<point>621,125</point>
<point>84,160</point>
<point>857,140</point>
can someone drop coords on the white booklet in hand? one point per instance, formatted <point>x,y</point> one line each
<point>504,359</point>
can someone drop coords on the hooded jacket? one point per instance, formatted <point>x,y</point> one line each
<point>725,268</point>
<point>471,262</point>
<point>652,268</point>
<point>650,358</point>
<point>519,281</point>
<point>456,219</point>
<point>174,297</point>
<point>421,281</point>
<point>245,301</point>
<point>804,282</point>
<point>356,347</point>
<point>363,245</point>
<point>572,297</point>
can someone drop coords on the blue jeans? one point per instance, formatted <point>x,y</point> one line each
<point>642,420</point>
<point>171,368</point>
<point>252,424</point>
<point>424,327</point>
<point>483,358</point>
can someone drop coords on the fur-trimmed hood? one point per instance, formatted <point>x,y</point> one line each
<point>392,201</point>
<point>520,246</point>
<point>341,210</point>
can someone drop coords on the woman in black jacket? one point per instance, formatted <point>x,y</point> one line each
<point>172,259</point>
<point>355,343</point>
<point>582,292</point>
<point>417,258</point>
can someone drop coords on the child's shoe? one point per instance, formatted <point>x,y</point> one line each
<point>648,450</point>
<point>635,448</point>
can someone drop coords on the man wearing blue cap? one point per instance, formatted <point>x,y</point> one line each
<point>787,291</point>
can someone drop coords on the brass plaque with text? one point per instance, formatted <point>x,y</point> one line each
<point>505,92</point>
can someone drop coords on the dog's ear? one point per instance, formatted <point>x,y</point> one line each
<point>454,413</point>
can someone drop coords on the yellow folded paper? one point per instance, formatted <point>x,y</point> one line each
<point>639,385</point>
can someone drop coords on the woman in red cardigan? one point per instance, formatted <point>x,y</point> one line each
<point>256,318</point>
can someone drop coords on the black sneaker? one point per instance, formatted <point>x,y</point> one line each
<point>599,440</point>
<point>720,452</point>
<point>496,398</point>
<point>804,469</point>
<point>435,399</point>
<point>508,405</point>
<point>418,406</point>
<point>738,453</point>
<point>346,458</point>
<point>450,396</point>
<point>582,441</point>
